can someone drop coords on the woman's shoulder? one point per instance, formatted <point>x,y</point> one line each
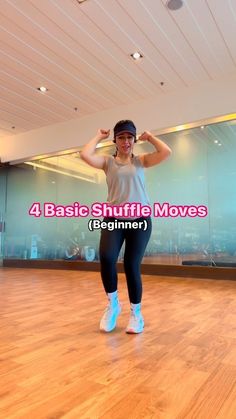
<point>108,161</point>
<point>138,160</point>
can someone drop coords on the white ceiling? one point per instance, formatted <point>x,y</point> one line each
<point>81,53</point>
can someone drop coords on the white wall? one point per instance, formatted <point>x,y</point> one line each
<point>208,100</point>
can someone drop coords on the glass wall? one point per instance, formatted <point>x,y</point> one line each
<point>200,173</point>
<point>3,180</point>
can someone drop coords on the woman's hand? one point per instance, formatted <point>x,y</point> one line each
<point>102,134</point>
<point>145,136</point>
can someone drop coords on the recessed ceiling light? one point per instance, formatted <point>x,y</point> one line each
<point>202,127</point>
<point>216,141</point>
<point>42,89</point>
<point>174,4</point>
<point>219,144</point>
<point>136,55</point>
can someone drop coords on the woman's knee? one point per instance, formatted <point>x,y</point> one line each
<point>132,266</point>
<point>107,258</point>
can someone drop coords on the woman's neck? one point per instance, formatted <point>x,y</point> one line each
<point>124,158</point>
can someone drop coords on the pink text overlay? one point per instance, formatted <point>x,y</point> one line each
<point>127,210</point>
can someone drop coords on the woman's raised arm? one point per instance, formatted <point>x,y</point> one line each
<point>88,152</point>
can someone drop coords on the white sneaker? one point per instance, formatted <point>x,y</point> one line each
<point>109,318</point>
<point>136,323</point>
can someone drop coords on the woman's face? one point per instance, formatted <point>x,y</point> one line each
<point>125,143</point>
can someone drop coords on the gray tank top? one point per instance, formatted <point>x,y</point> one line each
<point>126,182</point>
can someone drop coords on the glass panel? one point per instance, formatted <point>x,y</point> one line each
<point>221,141</point>
<point>3,181</point>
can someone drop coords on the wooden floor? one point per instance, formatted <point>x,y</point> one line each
<point>54,362</point>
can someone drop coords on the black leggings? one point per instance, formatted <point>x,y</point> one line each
<point>136,241</point>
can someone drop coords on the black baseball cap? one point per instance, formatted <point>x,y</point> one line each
<point>125,126</point>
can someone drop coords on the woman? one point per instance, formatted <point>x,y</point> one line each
<point>125,180</point>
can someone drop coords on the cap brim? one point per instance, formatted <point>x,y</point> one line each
<point>125,130</point>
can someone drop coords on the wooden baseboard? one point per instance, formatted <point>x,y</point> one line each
<point>210,272</point>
